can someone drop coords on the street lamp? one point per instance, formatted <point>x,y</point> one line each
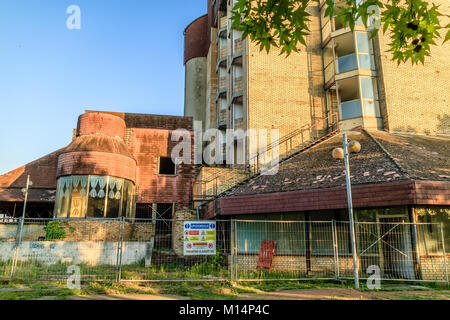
<point>20,230</point>
<point>344,153</point>
<point>25,192</point>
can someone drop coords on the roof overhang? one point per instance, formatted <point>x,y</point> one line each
<point>364,196</point>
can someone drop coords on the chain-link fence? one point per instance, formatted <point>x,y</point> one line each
<point>131,249</point>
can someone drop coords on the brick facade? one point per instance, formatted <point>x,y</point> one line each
<point>147,145</point>
<point>286,93</point>
<point>416,99</point>
<point>112,144</point>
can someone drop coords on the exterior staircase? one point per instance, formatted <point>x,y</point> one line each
<point>295,142</point>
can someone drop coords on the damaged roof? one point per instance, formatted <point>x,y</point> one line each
<point>384,157</point>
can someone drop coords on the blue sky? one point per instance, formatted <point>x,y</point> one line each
<point>127,57</point>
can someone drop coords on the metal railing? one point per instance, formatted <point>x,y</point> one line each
<point>290,144</point>
<point>130,249</point>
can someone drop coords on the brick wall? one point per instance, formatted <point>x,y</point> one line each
<point>147,145</point>
<point>98,122</point>
<point>433,268</point>
<point>178,229</point>
<point>96,163</point>
<point>286,93</point>
<point>417,98</point>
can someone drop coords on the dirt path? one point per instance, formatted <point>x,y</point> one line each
<point>128,297</point>
<point>348,294</point>
<point>310,294</point>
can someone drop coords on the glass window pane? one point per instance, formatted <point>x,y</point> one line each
<point>362,39</point>
<point>79,194</point>
<point>351,109</point>
<point>97,197</point>
<point>114,197</point>
<point>370,108</point>
<point>365,61</point>
<point>347,63</point>
<point>64,195</point>
<point>367,87</point>
<point>249,236</point>
<point>238,111</point>
<point>321,236</point>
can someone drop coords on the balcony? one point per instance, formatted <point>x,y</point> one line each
<point>223,21</point>
<point>351,109</point>
<point>238,84</point>
<point>222,118</point>
<point>221,63</point>
<point>223,83</point>
<point>223,51</point>
<point>239,124</point>
<point>237,46</point>
<point>346,63</point>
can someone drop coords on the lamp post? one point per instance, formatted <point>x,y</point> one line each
<point>19,230</point>
<point>350,211</point>
<point>25,192</point>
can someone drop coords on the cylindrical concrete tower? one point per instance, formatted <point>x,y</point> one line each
<point>196,45</point>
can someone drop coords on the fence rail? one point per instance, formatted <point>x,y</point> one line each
<point>131,249</point>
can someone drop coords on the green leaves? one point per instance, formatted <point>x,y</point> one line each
<point>273,23</point>
<point>413,25</point>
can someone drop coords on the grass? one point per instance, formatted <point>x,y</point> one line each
<point>50,281</point>
<point>217,290</point>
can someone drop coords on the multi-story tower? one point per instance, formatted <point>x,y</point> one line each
<point>339,74</point>
<point>368,89</point>
<point>246,88</point>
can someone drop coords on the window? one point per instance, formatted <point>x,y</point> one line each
<point>94,197</point>
<point>238,111</point>
<point>166,166</point>
<point>430,242</point>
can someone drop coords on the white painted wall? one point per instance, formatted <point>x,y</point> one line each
<point>81,252</point>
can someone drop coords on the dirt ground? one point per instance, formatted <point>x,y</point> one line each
<point>308,294</point>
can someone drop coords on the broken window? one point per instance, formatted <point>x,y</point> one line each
<point>166,166</point>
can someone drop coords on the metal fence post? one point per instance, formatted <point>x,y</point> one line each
<point>335,249</point>
<point>232,249</point>
<point>444,252</point>
<point>119,249</point>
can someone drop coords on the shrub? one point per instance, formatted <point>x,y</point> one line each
<point>53,231</point>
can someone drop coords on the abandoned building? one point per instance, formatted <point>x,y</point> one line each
<point>119,164</point>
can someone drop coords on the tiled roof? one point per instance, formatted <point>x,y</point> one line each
<point>100,143</point>
<point>42,172</point>
<point>423,157</point>
<point>384,157</point>
<point>34,195</point>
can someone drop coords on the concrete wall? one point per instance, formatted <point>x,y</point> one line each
<point>195,89</point>
<point>92,253</point>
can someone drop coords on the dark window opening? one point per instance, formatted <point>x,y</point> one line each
<point>166,166</point>
<point>144,211</point>
<point>163,234</point>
